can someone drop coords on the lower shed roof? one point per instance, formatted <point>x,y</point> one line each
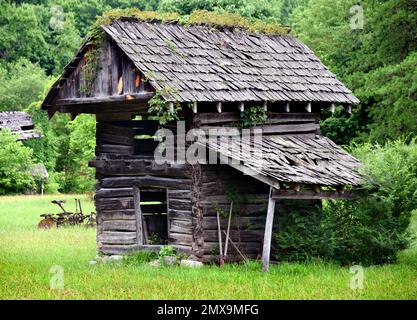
<point>303,159</point>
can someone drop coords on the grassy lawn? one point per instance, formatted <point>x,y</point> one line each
<point>27,254</point>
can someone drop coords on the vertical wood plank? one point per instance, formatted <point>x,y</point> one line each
<point>138,215</point>
<point>220,239</point>
<point>168,217</point>
<point>268,233</point>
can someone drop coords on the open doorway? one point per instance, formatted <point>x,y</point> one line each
<point>153,205</point>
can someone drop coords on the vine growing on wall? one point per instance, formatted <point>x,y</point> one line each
<point>92,64</point>
<point>162,110</point>
<point>253,116</point>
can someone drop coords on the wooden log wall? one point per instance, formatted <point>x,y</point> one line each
<point>278,123</point>
<point>219,181</point>
<point>123,162</point>
<point>220,185</point>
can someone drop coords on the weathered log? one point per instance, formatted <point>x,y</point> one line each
<point>257,222</point>
<point>139,167</point>
<point>146,181</point>
<point>106,138</point>
<point>113,237</point>
<point>114,148</point>
<point>119,225</point>
<point>179,214</point>
<point>127,214</point>
<point>180,226</point>
<point>147,195</point>
<point>111,129</point>
<point>179,204</point>
<point>244,247</point>
<point>312,195</point>
<point>179,194</point>
<point>117,249</point>
<point>242,210</point>
<point>235,235</point>
<point>181,238</point>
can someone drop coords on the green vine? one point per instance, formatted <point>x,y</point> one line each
<point>253,116</point>
<point>92,66</point>
<point>159,107</point>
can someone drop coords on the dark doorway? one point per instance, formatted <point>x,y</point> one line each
<point>153,203</point>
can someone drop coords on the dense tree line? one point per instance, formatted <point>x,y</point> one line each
<point>371,47</point>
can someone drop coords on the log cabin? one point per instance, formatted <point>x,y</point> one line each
<point>209,77</point>
<point>20,124</point>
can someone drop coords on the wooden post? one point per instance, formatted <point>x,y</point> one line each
<point>268,233</point>
<point>332,108</point>
<point>220,240</point>
<point>241,107</point>
<point>349,109</point>
<point>138,215</point>
<point>195,106</point>
<point>308,107</point>
<point>171,107</point>
<point>219,107</point>
<point>229,222</point>
<point>287,107</point>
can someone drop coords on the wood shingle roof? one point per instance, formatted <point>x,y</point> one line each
<point>19,123</point>
<point>300,159</point>
<point>199,63</point>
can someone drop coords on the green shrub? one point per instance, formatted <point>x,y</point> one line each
<point>253,116</point>
<point>139,258</point>
<point>166,251</point>
<point>300,234</point>
<point>52,183</point>
<point>15,165</point>
<point>79,177</point>
<point>367,230</point>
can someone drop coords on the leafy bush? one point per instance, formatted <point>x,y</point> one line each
<point>166,251</point>
<point>82,141</point>
<point>253,116</point>
<point>367,230</point>
<point>301,235</point>
<point>52,183</point>
<point>15,165</point>
<point>140,257</point>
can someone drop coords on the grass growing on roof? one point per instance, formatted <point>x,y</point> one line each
<point>27,254</point>
<point>197,17</point>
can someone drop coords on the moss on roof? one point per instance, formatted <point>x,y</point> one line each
<point>197,17</point>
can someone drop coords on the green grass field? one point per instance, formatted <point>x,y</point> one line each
<point>27,255</point>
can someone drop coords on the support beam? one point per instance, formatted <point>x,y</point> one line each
<point>248,171</point>
<point>308,107</point>
<point>313,195</point>
<point>171,107</point>
<point>265,105</point>
<point>219,107</point>
<point>134,98</point>
<point>287,107</point>
<point>332,108</point>
<point>268,232</point>
<point>241,106</point>
<point>195,106</point>
<point>138,216</point>
<point>349,109</point>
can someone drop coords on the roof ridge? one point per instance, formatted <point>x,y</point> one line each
<point>220,21</point>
